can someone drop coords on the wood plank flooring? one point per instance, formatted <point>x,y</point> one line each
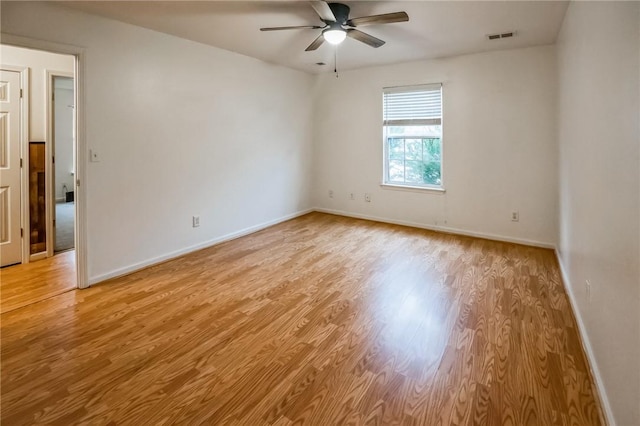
<point>22,285</point>
<point>320,320</point>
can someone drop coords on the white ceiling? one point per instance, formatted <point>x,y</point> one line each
<point>435,29</point>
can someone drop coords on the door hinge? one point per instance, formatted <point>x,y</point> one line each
<point>53,159</point>
<point>78,182</point>
<point>21,232</point>
<point>20,92</point>
<point>21,163</point>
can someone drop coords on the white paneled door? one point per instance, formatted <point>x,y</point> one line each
<point>10,239</point>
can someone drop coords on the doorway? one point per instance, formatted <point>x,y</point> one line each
<point>52,208</point>
<point>63,160</point>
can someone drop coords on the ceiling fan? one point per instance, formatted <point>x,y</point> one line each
<point>337,25</point>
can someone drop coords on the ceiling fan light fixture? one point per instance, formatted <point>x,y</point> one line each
<point>334,35</point>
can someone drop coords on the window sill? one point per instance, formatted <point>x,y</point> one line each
<point>413,188</point>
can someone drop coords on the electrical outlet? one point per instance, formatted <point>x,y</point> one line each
<point>515,216</point>
<point>196,221</point>
<point>367,198</point>
<point>352,196</point>
<point>331,193</point>
<point>587,290</point>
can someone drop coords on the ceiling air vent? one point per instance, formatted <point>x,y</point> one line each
<point>501,35</point>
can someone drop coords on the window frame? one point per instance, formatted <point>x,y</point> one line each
<point>386,182</point>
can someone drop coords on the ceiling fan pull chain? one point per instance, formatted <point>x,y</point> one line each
<point>335,61</point>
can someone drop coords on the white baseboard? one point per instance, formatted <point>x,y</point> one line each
<point>38,256</point>
<point>177,253</point>
<point>586,346</point>
<point>441,228</point>
<point>233,235</point>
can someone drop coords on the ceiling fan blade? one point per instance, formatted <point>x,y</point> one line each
<point>316,43</point>
<point>299,27</point>
<point>365,38</point>
<point>323,10</point>
<point>387,18</point>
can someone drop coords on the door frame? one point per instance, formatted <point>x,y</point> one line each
<point>24,157</point>
<point>81,146</point>
<point>50,153</point>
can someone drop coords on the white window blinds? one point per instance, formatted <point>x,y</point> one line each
<point>415,105</point>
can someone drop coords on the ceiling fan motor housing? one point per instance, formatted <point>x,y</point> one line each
<point>341,13</point>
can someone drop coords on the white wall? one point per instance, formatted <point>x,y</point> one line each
<point>64,102</point>
<point>182,129</point>
<point>599,112</point>
<point>39,63</point>
<point>499,143</point>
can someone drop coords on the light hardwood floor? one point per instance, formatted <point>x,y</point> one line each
<point>320,320</point>
<point>22,285</point>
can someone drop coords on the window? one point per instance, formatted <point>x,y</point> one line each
<point>412,130</point>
